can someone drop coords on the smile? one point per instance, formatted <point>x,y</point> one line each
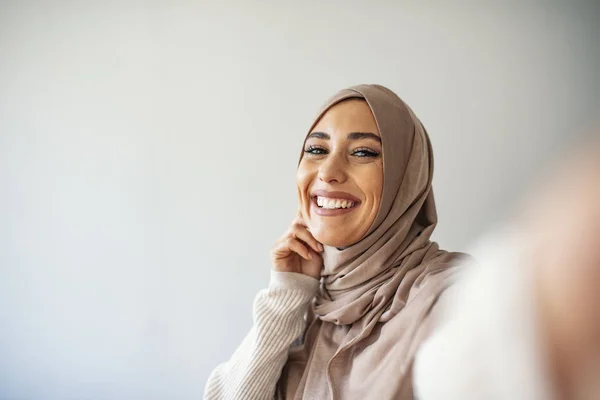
<point>332,204</point>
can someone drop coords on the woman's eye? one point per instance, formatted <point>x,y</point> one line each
<point>315,150</point>
<point>365,153</point>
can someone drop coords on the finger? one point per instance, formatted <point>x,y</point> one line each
<point>280,250</point>
<point>304,235</point>
<point>283,249</point>
<point>297,231</point>
<point>288,234</point>
<point>299,221</point>
<point>314,269</point>
<point>297,247</point>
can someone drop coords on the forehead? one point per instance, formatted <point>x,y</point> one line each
<point>352,115</point>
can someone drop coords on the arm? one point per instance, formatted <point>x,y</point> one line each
<point>255,367</point>
<point>525,325</point>
<point>486,341</point>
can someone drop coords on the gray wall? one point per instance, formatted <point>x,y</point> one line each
<point>148,153</point>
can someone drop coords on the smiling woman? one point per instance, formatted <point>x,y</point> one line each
<point>355,278</point>
<point>340,176</point>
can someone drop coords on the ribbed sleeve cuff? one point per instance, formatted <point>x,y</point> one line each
<point>293,280</point>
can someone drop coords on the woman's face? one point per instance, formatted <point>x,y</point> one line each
<point>340,176</point>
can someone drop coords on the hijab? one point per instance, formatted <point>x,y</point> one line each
<point>373,307</point>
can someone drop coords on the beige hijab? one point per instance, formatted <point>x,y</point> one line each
<point>371,312</point>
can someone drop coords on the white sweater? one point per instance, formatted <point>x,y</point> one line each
<point>484,348</point>
<point>254,369</point>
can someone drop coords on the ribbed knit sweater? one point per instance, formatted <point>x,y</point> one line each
<point>255,367</point>
<point>484,347</point>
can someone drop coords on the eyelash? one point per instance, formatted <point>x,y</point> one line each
<point>368,152</point>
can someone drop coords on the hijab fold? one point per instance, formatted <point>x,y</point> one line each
<point>373,308</point>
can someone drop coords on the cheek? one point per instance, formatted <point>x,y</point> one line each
<point>377,193</point>
<point>373,185</point>
<point>303,180</point>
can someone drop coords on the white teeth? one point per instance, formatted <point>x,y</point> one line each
<point>328,203</point>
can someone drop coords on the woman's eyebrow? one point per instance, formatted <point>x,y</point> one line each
<point>363,135</point>
<point>351,136</point>
<point>319,135</point>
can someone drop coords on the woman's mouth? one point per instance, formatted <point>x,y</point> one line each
<point>330,206</point>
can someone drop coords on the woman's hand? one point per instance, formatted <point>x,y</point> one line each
<point>298,251</point>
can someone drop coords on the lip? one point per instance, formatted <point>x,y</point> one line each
<point>334,195</point>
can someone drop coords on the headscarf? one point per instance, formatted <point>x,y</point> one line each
<point>373,308</point>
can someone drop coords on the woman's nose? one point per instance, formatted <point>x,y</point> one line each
<point>332,170</point>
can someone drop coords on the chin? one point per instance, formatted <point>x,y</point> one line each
<point>332,239</point>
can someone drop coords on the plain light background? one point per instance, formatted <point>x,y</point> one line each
<point>148,154</point>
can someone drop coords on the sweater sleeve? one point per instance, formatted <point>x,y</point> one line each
<point>255,367</point>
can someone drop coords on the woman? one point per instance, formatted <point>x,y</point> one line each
<point>521,325</point>
<point>360,247</point>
